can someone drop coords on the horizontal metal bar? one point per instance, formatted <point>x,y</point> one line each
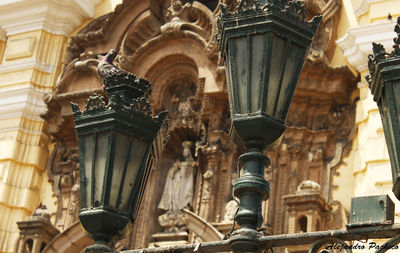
<point>362,233</point>
<point>272,241</point>
<point>216,246</point>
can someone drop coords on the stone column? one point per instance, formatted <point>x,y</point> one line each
<point>36,35</point>
<point>212,157</point>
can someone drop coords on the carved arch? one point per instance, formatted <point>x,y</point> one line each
<point>73,239</point>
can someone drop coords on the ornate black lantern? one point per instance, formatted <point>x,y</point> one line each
<point>264,44</point>
<point>384,82</point>
<point>115,139</point>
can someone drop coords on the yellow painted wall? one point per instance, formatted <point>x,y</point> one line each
<point>23,139</point>
<point>366,171</point>
<point>30,63</point>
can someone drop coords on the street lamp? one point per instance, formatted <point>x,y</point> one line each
<point>384,82</point>
<point>115,139</point>
<point>264,44</point>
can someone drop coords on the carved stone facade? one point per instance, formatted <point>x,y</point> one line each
<point>172,44</point>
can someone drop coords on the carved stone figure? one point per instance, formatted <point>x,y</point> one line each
<point>308,186</point>
<point>178,190</point>
<point>177,11</point>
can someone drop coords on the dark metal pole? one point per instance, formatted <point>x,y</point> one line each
<point>251,188</point>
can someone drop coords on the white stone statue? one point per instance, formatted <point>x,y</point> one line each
<point>178,190</point>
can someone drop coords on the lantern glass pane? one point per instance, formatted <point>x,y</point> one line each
<point>291,72</point>
<point>396,93</point>
<point>102,147</point>
<point>391,124</point>
<point>119,167</point>
<point>88,156</point>
<point>241,67</point>
<point>275,74</point>
<point>136,157</point>
<point>256,75</point>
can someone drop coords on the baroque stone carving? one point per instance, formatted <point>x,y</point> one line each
<point>323,45</point>
<point>177,12</point>
<point>308,186</point>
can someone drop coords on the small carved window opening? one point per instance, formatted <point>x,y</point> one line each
<point>28,246</point>
<point>42,246</point>
<point>302,225</point>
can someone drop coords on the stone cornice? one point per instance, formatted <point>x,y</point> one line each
<point>54,16</point>
<point>26,64</point>
<point>356,44</point>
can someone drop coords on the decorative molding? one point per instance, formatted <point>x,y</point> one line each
<point>23,64</point>
<point>19,48</point>
<point>3,34</point>
<point>356,44</point>
<point>54,16</point>
<point>363,7</point>
<point>25,102</point>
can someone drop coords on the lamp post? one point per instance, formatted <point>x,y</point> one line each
<point>115,139</point>
<point>384,82</point>
<point>264,44</point>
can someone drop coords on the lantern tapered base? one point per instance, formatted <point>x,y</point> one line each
<point>251,188</point>
<point>260,127</point>
<point>102,224</point>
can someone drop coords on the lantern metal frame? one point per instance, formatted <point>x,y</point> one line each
<point>126,115</point>
<point>259,28</point>
<point>384,83</point>
<point>266,23</point>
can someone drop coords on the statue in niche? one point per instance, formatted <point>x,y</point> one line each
<point>178,191</point>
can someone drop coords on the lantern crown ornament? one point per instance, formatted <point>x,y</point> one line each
<point>115,139</point>
<point>384,83</point>
<point>264,44</point>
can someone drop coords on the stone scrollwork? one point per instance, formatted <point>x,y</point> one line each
<point>341,119</point>
<point>323,44</point>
